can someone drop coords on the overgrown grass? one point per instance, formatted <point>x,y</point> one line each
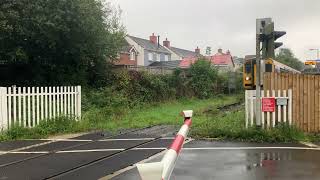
<point>231,126</point>
<point>102,119</point>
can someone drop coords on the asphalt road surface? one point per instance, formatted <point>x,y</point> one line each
<point>105,156</point>
<point>204,160</point>
<point>91,156</point>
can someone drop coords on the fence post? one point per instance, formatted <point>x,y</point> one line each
<point>262,113</point>
<point>246,107</point>
<point>3,109</point>
<point>285,108</point>
<point>78,102</point>
<point>273,113</point>
<point>290,106</point>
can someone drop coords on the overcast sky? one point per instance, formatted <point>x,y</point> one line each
<point>229,24</point>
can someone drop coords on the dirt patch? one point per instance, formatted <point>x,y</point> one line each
<point>157,131</point>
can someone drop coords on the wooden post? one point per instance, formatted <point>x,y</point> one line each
<point>247,107</point>
<point>268,113</point>
<point>46,114</point>
<point>50,103</point>
<point>38,105</point>
<point>285,108</point>
<point>65,100</point>
<point>9,106</point>
<point>3,109</point>
<point>262,113</point>
<point>19,106</point>
<point>58,100</point>
<point>290,106</point>
<point>79,102</point>
<point>14,97</point>
<point>33,107</point>
<point>72,101</point>
<point>41,103</point>
<point>29,107</point>
<point>54,101</point>
<point>273,113</point>
<point>279,108</point>
<point>24,106</point>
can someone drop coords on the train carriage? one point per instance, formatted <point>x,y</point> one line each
<point>269,65</point>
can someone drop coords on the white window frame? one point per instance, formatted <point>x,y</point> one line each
<point>166,57</point>
<point>132,56</point>
<point>158,57</point>
<point>150,56</point>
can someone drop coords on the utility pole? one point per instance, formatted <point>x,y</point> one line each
<point>267,36</point>
<point>258,80</point>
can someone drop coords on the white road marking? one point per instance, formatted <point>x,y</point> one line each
<point>29,152</point>
<point>101,140</point>
<point>310,144</point>
<point>137,139</point>
<point>150,148</point>
<point>90,150</point>
<point>75,140</point>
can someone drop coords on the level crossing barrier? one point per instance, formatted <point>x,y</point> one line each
<point>163,170</point>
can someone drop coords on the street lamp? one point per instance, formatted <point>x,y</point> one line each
<point>317,52</point>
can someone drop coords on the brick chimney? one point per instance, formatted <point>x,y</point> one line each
<point>220,50</point>
<point>153,38</point>
<point>166,43</point>
<point>197,50</point>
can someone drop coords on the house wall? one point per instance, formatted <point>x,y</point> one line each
<point>147,62</point>
<point>125,60</point>
<point>141,53</point>
<point>174,56</point>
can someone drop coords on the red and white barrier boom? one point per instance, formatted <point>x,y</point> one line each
<point>162,170</point>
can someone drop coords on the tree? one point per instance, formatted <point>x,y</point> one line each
<point>203,77</point>
<point>59,42</point>
<point>287,57</point>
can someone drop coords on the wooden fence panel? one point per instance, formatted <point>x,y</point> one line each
<point>305,98</point>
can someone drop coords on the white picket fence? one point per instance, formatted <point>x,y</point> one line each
<point>27,106</point>
<point>282,113</point>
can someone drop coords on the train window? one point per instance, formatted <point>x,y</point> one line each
<point>268,67</point>
<point>248,68</point>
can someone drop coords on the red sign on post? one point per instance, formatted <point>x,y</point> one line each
<point>268,104</point>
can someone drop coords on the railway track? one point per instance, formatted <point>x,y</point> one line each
<point>90,157</point>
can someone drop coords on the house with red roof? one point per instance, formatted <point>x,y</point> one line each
<point>223,61</point>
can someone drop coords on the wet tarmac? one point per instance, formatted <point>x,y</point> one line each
<point>203,160</point>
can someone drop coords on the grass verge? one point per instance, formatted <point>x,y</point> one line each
<point>208,122</point>
<point>120,118</point>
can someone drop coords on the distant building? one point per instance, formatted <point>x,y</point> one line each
<point>149,50</point>
<point>223,60</point>
<point>238,62</point>
<point>127,56</point>
<point>178,53</point>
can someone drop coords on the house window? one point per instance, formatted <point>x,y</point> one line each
<point>166,58</point>
<point>132,56</point>
<point>150,56</point>
<point>158,57</point>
